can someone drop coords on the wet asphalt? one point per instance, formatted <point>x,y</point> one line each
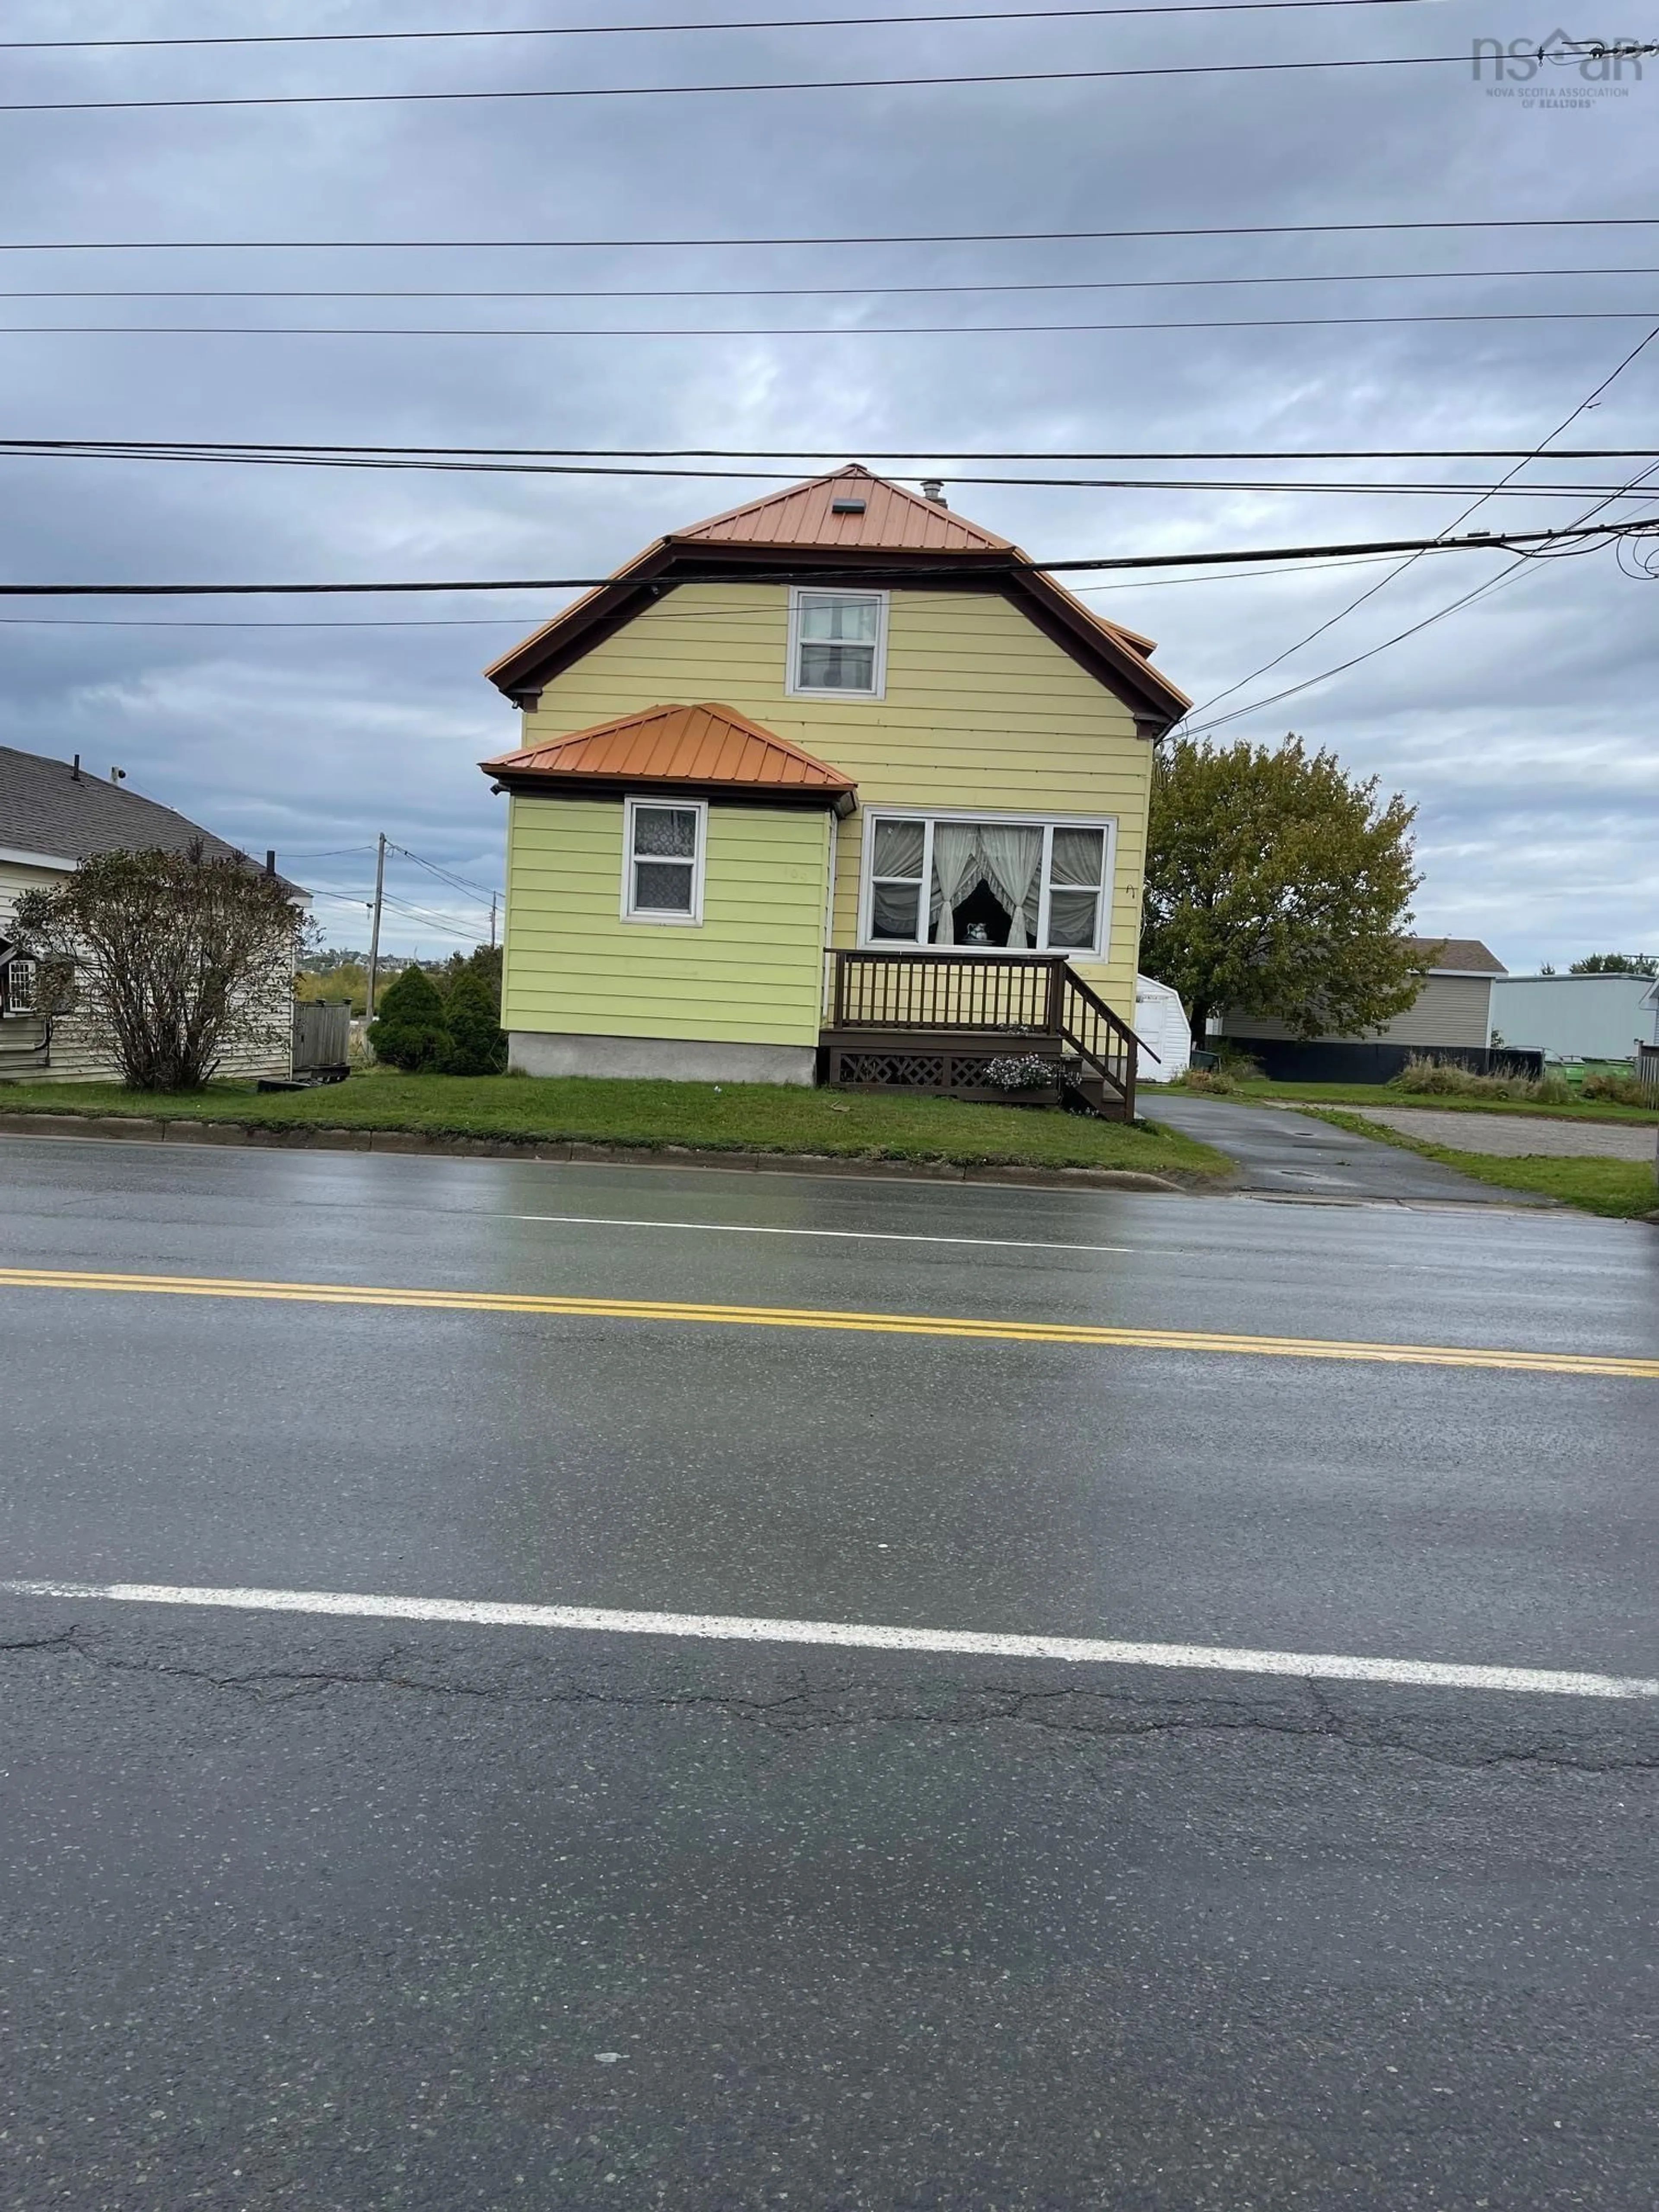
<point>1277,1149</point>
<point>315,1914</point>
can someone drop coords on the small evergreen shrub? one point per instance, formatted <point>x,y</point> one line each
<point>478,1043</point>
<point>410,1031</point>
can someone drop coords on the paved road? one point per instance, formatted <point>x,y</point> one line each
<point>316,1913</point>
<point>1277,1149</point>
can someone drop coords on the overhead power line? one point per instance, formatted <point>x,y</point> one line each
<point>817,291</point>
<point>638,30</point>
<point>1590,400</point>
<point>447,96</point>
<point>805,329</point>
<point>1292,485</point>
<point>210,449</point>
<point>870,564</point>
<point>822,237</point>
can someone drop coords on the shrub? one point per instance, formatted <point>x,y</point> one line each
<point>1216,1080</point>
<point>477,1044</point>
<point>410,1032</point>
<point>1553,1091</point>
<point>1614,1086</point>
<point>1444,1078</point>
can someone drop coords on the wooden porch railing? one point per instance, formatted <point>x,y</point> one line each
<point>1007,994</point>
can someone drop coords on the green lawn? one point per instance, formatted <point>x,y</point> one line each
<point>739,1117</point>
<point>1624,1188</point>
<point>1380,1094</point>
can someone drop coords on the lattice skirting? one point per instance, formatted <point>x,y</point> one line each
<point>962,1075</point>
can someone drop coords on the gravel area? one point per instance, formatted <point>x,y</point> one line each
<point>1514,1136</point>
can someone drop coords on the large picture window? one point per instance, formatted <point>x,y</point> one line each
<point>663,857</point>
<point>984,884</point>
<point>837,644</point>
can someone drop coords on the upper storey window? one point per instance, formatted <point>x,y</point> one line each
<point>837,644</point>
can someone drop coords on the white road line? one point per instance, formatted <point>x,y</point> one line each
<point>727,1628</point>
<point>859,1235</point>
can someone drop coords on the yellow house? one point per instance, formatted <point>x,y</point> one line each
<point>836,786</point>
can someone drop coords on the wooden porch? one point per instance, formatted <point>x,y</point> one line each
<point>952,1022</point>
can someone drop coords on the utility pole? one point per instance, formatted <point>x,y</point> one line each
<point>374,926</point>
<point>492,921</point>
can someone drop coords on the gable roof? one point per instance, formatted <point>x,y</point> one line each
<point>51,812</point>
<point>705,749</point>
<point>890,521</point>
<point>898,539</point>
<point>1458,955</point>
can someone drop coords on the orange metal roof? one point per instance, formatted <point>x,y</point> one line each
<point>706,746</point>
<point>799,521</point>
<point>893,520</point>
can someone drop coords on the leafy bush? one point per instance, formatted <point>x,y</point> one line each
<point>1614,1086</point>
<point>477,1044</point>
<point>1445,1080</point>
<point>410,1032</point>
<point>169,961</point>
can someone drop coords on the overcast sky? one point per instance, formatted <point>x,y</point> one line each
<point>1523,726</point>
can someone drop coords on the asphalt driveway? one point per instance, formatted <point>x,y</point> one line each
<point>431,1779</point>
<point>1277,1149</point>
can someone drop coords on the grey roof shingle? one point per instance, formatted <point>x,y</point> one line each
<point>1465,956</point>
<point>46,809</point>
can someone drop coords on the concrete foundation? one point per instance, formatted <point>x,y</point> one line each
<point>674,1060</point>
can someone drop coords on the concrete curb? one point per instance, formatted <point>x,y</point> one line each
<point>138,1128</point>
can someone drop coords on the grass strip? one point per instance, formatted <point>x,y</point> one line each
<point>1382,1094</point>
<point>737,1117</point>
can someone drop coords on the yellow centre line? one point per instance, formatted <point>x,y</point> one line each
<point>878,1324</point>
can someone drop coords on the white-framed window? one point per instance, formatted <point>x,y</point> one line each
<point>664,842</point>
<point>837,644</point>
<point>988,883</point>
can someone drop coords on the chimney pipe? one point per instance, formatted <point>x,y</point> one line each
<point>270,861</point>
<point>75,773</point>
<point>932,489</point>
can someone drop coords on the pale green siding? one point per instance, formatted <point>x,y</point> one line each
<point>751,972</point>
<point>983,712</point>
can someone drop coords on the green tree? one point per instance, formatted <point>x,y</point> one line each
<point>410,1031</point>
<point>1616,963</point>
<point>1277,886</point>
<point>476,1044</point>
<point>167,960</point>
<point>484,961</point>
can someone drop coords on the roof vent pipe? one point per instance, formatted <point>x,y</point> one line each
<point>75,773</point>
<point>270,861</point>
<point>932,489</point>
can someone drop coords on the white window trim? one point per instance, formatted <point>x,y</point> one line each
<point>792,690</point>
<point>1048,823</point>
<point>651,917</point>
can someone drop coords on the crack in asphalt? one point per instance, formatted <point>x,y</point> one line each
<point>1074,1714</point>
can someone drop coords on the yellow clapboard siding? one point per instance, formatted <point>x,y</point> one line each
<point>983,712</point>
<point>751,973</point>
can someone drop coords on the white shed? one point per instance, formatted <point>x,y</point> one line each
<point>1161,1023</point>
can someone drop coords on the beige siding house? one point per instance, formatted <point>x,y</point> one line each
<point>1451,1016</point>
<point>54,813</point>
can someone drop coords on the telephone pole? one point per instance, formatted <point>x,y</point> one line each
<point>374,926</point>
<point>492,921</point>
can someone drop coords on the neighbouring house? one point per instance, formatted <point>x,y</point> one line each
<point>54,813</point>
<point>1450,1018</point>
<point>836,785</point>
<point>1576,1017</point>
